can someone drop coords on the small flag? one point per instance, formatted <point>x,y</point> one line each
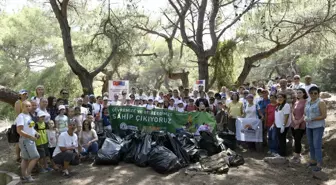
<point>199,82</point>
<point>118,83</point>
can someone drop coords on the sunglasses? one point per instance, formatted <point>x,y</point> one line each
<point>314,93</point>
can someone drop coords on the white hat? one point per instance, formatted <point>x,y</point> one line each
<point>41,114</point>
<point>137,98</point>
<point>179,102</point>
<point>61,107</point>
<point>128,98</point>
<point>150,98</point>
<point>105,98</point>
<point>160,101</point>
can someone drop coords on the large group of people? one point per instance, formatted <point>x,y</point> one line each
<point>63,131</point>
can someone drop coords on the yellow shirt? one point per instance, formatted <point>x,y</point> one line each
<point>235,109</point>
<point>41,129</point>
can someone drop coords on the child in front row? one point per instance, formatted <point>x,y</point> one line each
<point>52,141</point>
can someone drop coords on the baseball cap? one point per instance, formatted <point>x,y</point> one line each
<point>23,91</point>
<point>61,107</point>
<point>41,114</point>
<point>180,102</point>
<point>105,98</point>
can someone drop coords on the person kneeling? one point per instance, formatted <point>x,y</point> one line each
<point>88,140</point>
<point>67,149</point>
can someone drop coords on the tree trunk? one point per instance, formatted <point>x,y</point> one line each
<point>203,71</point>
<point>86,82</point>
<point>246,70</point>
<point>8,96</point>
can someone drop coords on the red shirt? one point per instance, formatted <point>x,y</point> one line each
<point>270,112</point>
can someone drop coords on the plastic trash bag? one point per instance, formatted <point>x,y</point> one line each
<point>236,160</point>
<point>109,154</point>
<point>162,160</point>
<point>229,139</point>
<point>130,147</point>
<point>175,146</point>
<point>209,143</point>
<point>143,149</point>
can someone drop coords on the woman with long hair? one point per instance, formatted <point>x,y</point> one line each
<point>315,115</point>
<point>88,139</point>
<point>51,108</point>
<point>23,96</point>
<point>235,110</point>
<point>298,124</point>
<point>282,122</point>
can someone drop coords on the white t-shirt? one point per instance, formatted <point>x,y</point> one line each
<point>298,86</point>
<point>171,107</point>
<point>280,116</point>
<point>27,122</point>
<point>84,112</point>
<point>47,117</point>
<point>52,138</point>
<point>178,109</point>
<point>65,140</point>
<point>97,108</point>
<point>62,121</point>
<point>149,107</point>
<point>251,112</point>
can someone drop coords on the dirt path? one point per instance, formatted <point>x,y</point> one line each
<point>254,172</point>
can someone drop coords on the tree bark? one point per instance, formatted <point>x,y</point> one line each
<point>203,71</point>
<point>7,95</point>
<point>86,82</point>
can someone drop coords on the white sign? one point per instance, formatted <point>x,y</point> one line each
<point>249,129</point>
<point>199,83</point>
<point>117,87</point>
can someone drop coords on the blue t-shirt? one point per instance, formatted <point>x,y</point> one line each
<point>263,104</point>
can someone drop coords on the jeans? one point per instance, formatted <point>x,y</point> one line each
<point>282,142</point>
<point>93,148</point>
<point>314,136</point>
<point>272,139</point>
<point>298,134</point>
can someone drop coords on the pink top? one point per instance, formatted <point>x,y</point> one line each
<point>270,110</point>
<point>298,115</point>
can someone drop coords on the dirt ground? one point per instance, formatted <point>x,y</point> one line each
<point>254,172</point>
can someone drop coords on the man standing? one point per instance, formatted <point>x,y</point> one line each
<point>223,92</point>
<point>262,104</point>
<point>87,105</point>
<point>65,96</point>
<point>308,84</point>
<point>297,84</point>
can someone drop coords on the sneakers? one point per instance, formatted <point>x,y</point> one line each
<point>43,170</point>
<point>317,169</point>
<point>27,179</point>
<point>66,173</point>
<point>49,169</point>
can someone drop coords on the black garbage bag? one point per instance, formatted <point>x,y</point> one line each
<point>209,143</point>
<point>229,139</point>
<point>236,160</point>
<point>162,160</point>
<point>197,154</point>
<point>175,146</point>
<point>109,154</point>
<point>187,140</point>
<point>143,149</point>
<point>130,147</point>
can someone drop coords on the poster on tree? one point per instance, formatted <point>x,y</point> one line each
<point>117,86</point>
<point>199,83</point>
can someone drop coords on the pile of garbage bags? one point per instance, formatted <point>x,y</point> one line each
<point>166,152</point>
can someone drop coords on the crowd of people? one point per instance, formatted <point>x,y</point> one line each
<point>64,132</point>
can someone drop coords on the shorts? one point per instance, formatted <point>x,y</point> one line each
<point>51,151</point>
<point>28,149</point>
<point>43,150</point>
<point>62,157</point>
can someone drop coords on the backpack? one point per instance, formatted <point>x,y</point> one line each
<point>12,135</point>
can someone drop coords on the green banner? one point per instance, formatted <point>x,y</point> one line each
<point>138,118</point>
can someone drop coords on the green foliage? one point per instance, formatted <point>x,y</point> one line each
<point>223,64</point>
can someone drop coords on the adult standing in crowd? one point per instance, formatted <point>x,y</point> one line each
<point>51,108</point>
<point>308,84</point>
<point>25,128</point>
<point>39,94</point>
<point>315,115</point>
<point>23,96</point>
<point>282,122</point>
<point>235,110</point>
<point>67,149</point>
<point>298,125</point>
<point>43,108</point>
<point>262,103</point>
<point>65,96</point>
<point>86,104</point>
<point>297,84</point>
